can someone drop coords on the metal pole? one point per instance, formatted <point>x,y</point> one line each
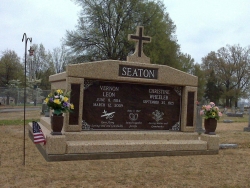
<point>25,39</point>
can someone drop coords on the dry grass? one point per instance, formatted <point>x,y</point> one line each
<point>230,168</point>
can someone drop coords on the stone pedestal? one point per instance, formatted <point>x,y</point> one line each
<point>89,145</point>
<point>199,128</point>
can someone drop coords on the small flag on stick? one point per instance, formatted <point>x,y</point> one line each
<point>38,133</point>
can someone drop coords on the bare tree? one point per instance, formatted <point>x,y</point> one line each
<point>60,58</point>
<point>231,66</point>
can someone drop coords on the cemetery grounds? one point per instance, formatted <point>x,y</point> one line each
<point>230,168</point>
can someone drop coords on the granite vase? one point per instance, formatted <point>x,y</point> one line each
<point>56,124</point>
<point>210,125</point>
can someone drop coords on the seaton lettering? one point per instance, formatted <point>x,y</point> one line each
<point>123,71</point>
<point>151,73</point>
<point>138,72</point>
<point>145,73</point>
<point>135,74</point>
<point>129,71</point>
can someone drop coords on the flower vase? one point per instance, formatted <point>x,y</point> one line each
<point>210,125</point>
<point>56,124</point>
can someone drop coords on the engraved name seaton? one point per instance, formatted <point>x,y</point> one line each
<point>138,72</point>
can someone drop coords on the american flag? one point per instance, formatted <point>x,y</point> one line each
<point>38,133</point>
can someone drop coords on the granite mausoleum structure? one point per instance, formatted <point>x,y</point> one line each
<point>126,109</point>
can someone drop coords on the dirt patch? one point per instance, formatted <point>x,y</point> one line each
<point>230,168</point>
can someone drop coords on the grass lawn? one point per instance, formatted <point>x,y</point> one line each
<point>229,169</point>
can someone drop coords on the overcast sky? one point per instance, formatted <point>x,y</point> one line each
<point>202,25</point>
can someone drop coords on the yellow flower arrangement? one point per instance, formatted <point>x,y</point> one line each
<point>58,101</point>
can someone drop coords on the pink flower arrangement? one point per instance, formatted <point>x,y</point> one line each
<point>211,111</point>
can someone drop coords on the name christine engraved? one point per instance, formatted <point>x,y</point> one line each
<point>138,72</point>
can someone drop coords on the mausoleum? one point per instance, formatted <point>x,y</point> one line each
<point>126,109</point>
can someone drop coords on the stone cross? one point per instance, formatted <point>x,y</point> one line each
<point>139,38</point>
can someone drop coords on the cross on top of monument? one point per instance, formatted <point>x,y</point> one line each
<point>139,38</point>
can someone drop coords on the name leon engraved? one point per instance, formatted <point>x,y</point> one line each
<point>138,72</point>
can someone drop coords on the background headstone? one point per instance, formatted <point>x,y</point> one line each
<point>248,128</point>
<point>233,109</point>
<point>228,146</point>
<point>241,106</point>
<point>228,121</point>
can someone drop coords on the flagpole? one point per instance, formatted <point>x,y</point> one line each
<point>25,39</point>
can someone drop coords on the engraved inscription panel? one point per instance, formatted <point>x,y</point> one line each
<point>109,105</point>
